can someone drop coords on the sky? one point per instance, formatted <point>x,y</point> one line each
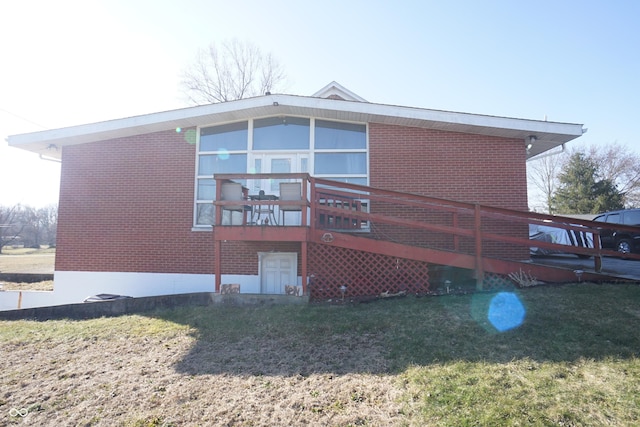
<point>68,62</point>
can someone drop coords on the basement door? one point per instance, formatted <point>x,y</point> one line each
<point>277,269</point>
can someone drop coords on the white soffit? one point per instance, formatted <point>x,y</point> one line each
<point>548,134</point>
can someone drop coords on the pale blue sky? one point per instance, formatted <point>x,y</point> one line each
<point>74,62</point>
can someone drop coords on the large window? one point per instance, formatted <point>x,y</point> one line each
<point>228,137</point>
<point>341,164</point>
<point>222,149</point>
<point>340,151</point>
<point>281,133</point>
<point>331,150</point>
<point>337,135</point>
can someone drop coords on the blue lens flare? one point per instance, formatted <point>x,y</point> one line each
<point>506,311</point>
<point>223,154</point>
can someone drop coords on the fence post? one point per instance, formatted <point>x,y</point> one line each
<point>478,238</point>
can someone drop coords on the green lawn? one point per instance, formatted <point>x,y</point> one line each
<point>572,361</point>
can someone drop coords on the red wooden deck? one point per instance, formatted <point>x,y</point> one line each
<point>401,226</point>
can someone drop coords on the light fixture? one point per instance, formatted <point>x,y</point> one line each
<point>532,139</point>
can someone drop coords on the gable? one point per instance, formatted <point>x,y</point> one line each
<point>334,90</point>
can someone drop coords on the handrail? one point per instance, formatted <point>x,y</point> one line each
<point>470,226</point>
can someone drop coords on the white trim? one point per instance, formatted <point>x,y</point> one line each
<point>72,287</point>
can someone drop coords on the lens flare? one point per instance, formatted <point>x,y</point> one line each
<point>190,136</point>
<point>223,154</point>
<point>506,311</point>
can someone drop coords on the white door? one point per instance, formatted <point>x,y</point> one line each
<point>277,269</point>
<point>277,163</point>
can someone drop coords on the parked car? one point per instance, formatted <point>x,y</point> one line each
<point>622,241</point>
<point>560,236</point>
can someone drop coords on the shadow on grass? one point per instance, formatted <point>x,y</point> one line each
<point>565,323</point>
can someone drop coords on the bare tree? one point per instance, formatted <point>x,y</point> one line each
<point>28,226</point>
<point>229,71</point>
<point>620,165</point>
<point>48,217</point>
<point>11,225</point>
<point>543,174</point>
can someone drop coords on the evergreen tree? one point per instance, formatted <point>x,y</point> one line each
<point>582,192</point>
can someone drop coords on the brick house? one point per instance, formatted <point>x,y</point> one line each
<point>137,194</point>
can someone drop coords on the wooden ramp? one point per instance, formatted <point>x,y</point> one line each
<point>484,239</point>
<point>372,237</point>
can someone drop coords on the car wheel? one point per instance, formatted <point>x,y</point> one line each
<point>624,246</point>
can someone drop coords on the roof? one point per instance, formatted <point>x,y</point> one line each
<point>343,105</point>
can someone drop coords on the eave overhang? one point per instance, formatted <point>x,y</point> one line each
<point>548,135</point>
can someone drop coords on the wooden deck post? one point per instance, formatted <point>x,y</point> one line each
<point>478,238</point>
<point>217,263</point>
<point>597,258</point>
<point>303,251</point>
<point>456,238</point>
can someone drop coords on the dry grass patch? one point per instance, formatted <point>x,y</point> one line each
<point>427,361</point>
<point>46,285</point>
<point>26,260</point>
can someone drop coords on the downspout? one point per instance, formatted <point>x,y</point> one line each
<point>550,153</point>
<point>51,159</point>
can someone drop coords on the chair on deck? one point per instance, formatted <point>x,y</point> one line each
<point>290,191</point>
<point>232,191</point>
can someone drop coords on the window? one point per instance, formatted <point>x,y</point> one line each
<point>236,163</point>
<point>222,163</point>
<point>331,150</point>
<point>228,137</point>
<point>209,165</point>
<point>340,163</point>
<point>222,149</point>
<point>614,218</point>
<point>336,135</point>
<point>341,151</point>
<point>632,217</point>
<point>281,133</point>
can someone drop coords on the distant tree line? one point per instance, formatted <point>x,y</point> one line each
<point>588,181</point>
<point>28,226</point>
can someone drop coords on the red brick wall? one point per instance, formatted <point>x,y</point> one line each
<point>127,205</point>
<point>457,166</point>
<point>242,257</point>
<point>463,167</point>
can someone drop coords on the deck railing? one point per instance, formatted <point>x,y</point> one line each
<point>472,229</point>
